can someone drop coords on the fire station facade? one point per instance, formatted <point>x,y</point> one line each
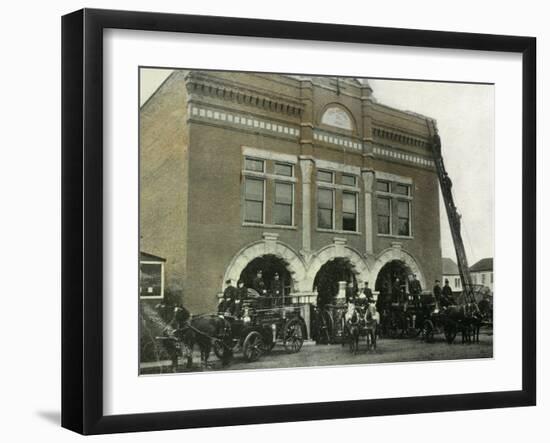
<point>300,172</point>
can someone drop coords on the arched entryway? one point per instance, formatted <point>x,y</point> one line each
<point>270,265</point>
<point>405,263</point>
<point>270,247</point>
<point>389,273</point>
<point>326,282</point>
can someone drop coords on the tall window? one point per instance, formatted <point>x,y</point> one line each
<point>384,215</point>
<point>282,209</point>
<point>403,218</point>
<point>349,211</point>
<point>482,279</point>
<point>394,204</point>
<point>254,200</point>
<point>325,208</point>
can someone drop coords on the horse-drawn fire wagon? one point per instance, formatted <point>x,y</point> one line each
<point>265,321</point>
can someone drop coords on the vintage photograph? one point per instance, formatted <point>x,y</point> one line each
<point>291,221</point>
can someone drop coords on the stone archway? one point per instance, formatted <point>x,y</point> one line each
<point>331,252</point>
<point>269,246</point>
<point>397,254</point>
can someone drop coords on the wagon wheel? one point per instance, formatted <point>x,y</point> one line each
<point>218,347</point>
<point>253,346</point>
<point>428,331</point>
<point>450,332</point>
<point>294,337</point>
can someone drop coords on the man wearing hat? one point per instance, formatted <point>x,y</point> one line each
<point>258,283</point>
<point>350,293</point>
<point>277,290</point>
<point>447,298</point>
<point>437,291</point>
<point>415,288</point>
<point>229,297</point>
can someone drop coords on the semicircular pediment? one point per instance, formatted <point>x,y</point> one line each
<point>336,116</point>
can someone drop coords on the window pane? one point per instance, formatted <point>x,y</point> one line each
<point>251,164</point>
<point>151,279</point>
<point>383,206</point>
<point>282,209</point>
<point>324,218</point>
<point>382,186</point>
<point>283,193</point>
<point>254,211</point>
<point>348,180</point>
<point>254,189</point>
<point>401,189</point>
<point>324,176</point>
<point>403,226</point>
<point>349,222</point>
<point>383,224</point>
<point>282,214</point>
<point>325,198</point>
<point>403,209</point>
<point>348,202</point>
<point>283,169</point>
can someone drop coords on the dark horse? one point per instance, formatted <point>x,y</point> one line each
<point>204,331</point>
<point>464,318</point>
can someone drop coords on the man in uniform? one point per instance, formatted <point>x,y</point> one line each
<point>241,297</point>
<point>368,293</point>
<point>277,290</point>
<point>437,291</point>
<point>258,283</point>
<point>396,292</point>
<point>229,297</point>
<point>447,298</point>
<point>415,288</point>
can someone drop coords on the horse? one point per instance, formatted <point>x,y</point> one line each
<point>372,319</point>
<point>464,318</point>
<point>202,330</point>
<point>353,328</point>
<point>472,323</point>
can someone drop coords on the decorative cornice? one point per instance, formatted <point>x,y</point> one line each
<point>399,137</point>
<point>201,84</point>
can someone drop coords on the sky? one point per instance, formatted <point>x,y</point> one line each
<point>465,119</point>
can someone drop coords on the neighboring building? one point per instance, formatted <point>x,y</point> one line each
<point>309,177</point>
<point>482,273</point>
<point>450,272</point>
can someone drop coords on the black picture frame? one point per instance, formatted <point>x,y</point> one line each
<point>82,218</point>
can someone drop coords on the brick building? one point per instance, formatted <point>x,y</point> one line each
<point>309,177</point>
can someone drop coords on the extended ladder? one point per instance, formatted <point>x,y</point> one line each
<point>452,214</point>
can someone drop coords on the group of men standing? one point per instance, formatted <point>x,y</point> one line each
<point>443,296</point>
<point>361,296</point>
<point>233,297</point>
<point>397,293</point>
